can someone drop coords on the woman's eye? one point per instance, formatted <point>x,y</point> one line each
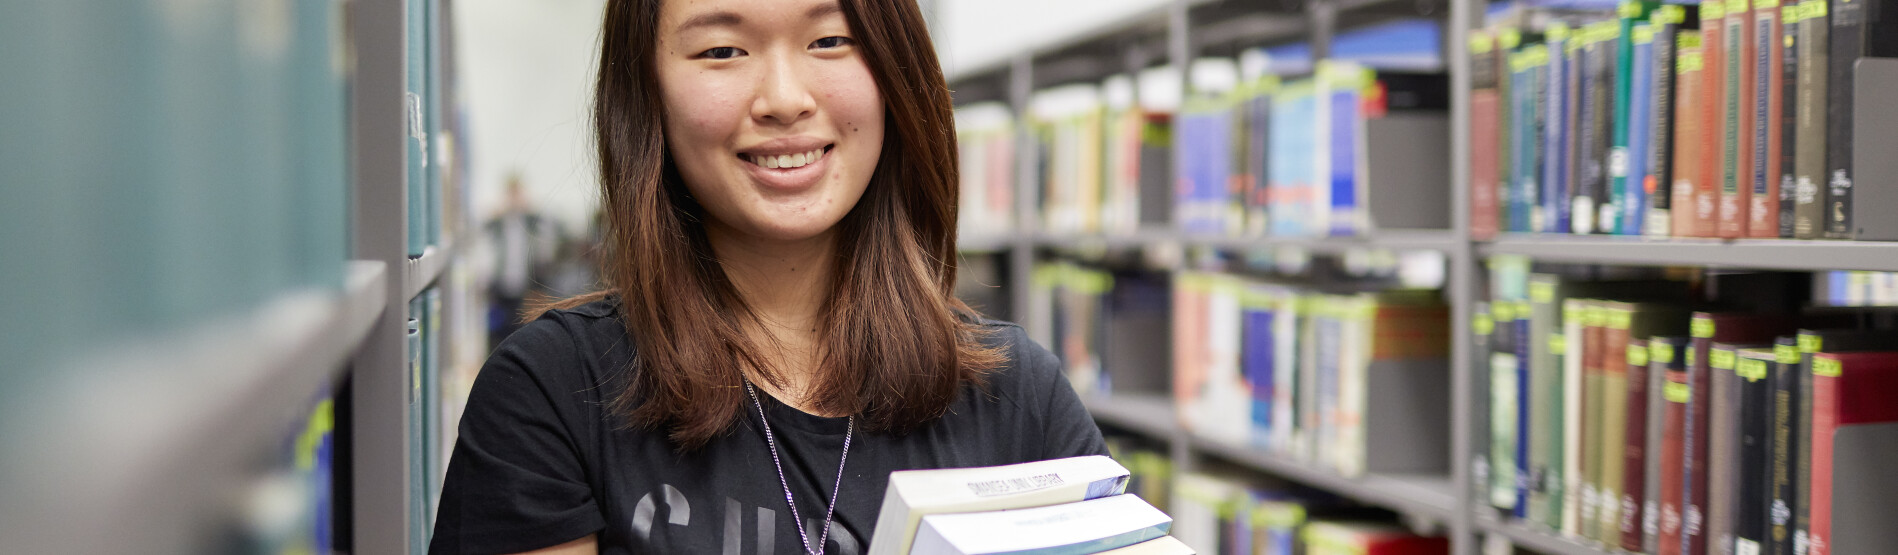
<point>831,42</point>
<point>721,53</point>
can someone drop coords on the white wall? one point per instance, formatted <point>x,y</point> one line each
<point>526,78</point>
<point>976,33</point>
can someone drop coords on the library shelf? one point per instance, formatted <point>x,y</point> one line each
<point>1538,538</point>
<point>1429,497</point>
<point>986,242</point>
<point>148,434</point>
<point>1402,240</point>
<point>1760,254</point>
<point>425,270</point>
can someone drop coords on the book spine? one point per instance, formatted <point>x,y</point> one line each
<point>1789,15</point>
<point>1635,454</point>
<point>1736,150</point>
<point>1554,194</point>
<point>1502,409</point>
<point>1755,427</point>
<point>1483,136</point>
<point>1690,65</point>
<point>1482,326</point>
<point>1521,137</point>
<point>1593,340</point>
<point>1713,131</point>
<point>1785,378</point>
<point>1613,421</point>
<point>1545,406</point>
<point>1525,475</point>
<point>1694,474</point>
<point>1634,195</point>
<point>1597,132</point>
<point>1573,320</point>
<point>1573,148</point>
<point>1826,374</point>
<point>1810,162</point>
<point>1676,393</point>
<point>1507,40</point>
<point>1852,32</point>
<point>1763,210</point>
<point>1803,410</point>
<point>1620,116</point>
<point>1724,451</point>
<point>1658,184</point>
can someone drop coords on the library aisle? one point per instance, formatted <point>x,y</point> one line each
<point>1571,277</point>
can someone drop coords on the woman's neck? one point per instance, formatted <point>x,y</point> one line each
<point>786,284</point>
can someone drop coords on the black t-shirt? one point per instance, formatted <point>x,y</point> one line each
<point>540,462</point>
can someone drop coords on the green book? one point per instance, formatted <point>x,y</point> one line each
<point>1630,12</point>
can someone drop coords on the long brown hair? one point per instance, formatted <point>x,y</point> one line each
<point>897,344</point>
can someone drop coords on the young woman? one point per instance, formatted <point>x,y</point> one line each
<point>778,332</point>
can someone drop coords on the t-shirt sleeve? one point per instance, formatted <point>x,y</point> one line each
<point>517,480</point>
<point>1067,429</point>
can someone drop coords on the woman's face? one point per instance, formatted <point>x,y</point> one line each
<point>772,116</point>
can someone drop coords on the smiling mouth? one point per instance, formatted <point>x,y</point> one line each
<point>787,161</point>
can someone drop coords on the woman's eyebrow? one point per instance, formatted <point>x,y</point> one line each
<point>826,9</point>
<point>713,19</point>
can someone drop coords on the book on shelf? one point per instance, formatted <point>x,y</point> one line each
<point>1859,29</point>
<point>1355,538</point>
<point>915,494</point>
<point>1812,120</point>
<point>1853,420</point>
<point>1676,391</point>
<point>1767,112</point>
<point>1485,105</point>
<point>1079,527</point>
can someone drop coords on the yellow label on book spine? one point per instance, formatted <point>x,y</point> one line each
<point>1511,38</point>
<point>1620,318</point>
<point>1594,316</point>
<point>1662,352</point>
<point>1712,9</point>
<point>1752,369</point>
<point>1786,354</point>
<point>1558,344</point>
<point>1542,292</point>
<point>1643,34</point>
<point>1637,355</point>
<point>1670,15</point>
<point>1722,359</point>
<point>1629,9</point>
<point>1788,15</point>
<point>1702,328</point>
<point>1483,324</point>
<point>1812,9</point>
<point>1557,32</point>
<point>1736,7</point>
<point>1481,43</point>
<point>1827,366</point>
<point>1809,343</point>
<point>1677,392</point>
<point>1688,358</point>
<point>1766,5</point>
<point>1690,61</point>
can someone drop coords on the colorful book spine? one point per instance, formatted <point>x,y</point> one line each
<point>1713,130</point>
<point>1634,196</point>
<point>1631,12</point>
<point>1690,66</point>
<point>1676,393</point>
<point>1852,417</point>
<point>1736,143</point>
<point>1553,209</point>
<point>1484,139</point>
<point>1600,57</point>
<point>1754,370</point>
<point>1630,533</point>
<point>1768,61</point>
<point>1789,14</point>
<point>1781,441</point>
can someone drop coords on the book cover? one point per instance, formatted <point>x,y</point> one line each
<point>1546,294</point>
<point>1634,196</point>
<point>1163,545</point>
<point>1574,335</point>
<point>914,494</point>
<point>1690,65</point>
<point>1573,148</point>
<point>1525,475</point>
<point>1076,528</point>
<point>1809,164</point>
<point>1362,538</point>
<point>1594,340</point>
<point>1658,183</point>
<point>1612,419</point>
<point>1736,145</point>
<point>1503,407</point>
<point>1484,137</point>
<point>1676,393</point>
<point>1751,522</point>
<point>1528,66</point>
<point>1854,424</point>
<point>1553,210</point>
<point>1768,61</point>
<point>1508,40</point>
<point>1599,55</point>
<point>1723,445</point>
<point>1789,14</point>
<point>1482,326</point>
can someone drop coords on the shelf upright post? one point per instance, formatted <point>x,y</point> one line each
<point>1463,272</point>
<point>1021,250</point>
<point>379,394</point>
<point>1324,23</point>
<point>1180,52</point>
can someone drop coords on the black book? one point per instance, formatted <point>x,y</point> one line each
<point>1789,114</point>
<point>1810,160</point>
<point>1483,326</point>
<point>1755,425</point>
<point>1667,21</point>
<point>1596,119</point>
<point>1779,447</point>
<point>1860,28</point>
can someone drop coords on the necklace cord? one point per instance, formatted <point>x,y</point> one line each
<point>829,511</point>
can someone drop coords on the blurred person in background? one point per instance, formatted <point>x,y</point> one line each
<point>777,330</point>
<point>518,249</point>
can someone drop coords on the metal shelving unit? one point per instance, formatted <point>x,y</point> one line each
<point>1177,32</point>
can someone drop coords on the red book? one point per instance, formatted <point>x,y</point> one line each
<point>1485,138</point>
<point>1690,64</point>
<point>1677,392</point>
<point>1853,415</point>
<point>1763,211</point>
<point>1736,139</point>
<point>1706,201</point>
<point>1634,452</point>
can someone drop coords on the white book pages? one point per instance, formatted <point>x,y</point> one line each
<point>914,494</point>
<point>1075,528</point>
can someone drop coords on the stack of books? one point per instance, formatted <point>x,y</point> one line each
<point>1722,118</point>
<point>1633,414</point>
<point>1065,506</point>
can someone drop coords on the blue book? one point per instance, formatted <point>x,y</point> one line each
<point>1257,352</point>
<point>1553,215</point>
<point>1634,196</point>
<point>1526,69</point>
<point>1525,476</point>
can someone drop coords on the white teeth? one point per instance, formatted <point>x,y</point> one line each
<point>789,161</point>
